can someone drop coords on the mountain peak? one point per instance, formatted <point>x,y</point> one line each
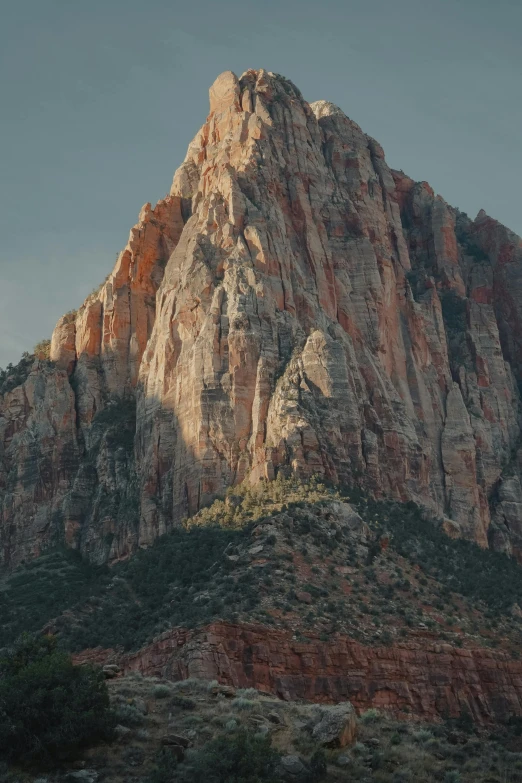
<point>326,109</point>
<point>224,92</point>
<point>293,307</point>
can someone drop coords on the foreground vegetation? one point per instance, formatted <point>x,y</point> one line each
<point>49,708</point>
<point>243,737</point>
<point>57,719</point>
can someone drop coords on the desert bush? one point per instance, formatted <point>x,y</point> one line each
<point>370,716</point>
<point>182,702</point>
<point>453,311</point>
<point>247,693</point>
<point>242,757</point>
<point>42,350</point>
<point>318,766</point>
<point>422,736</point>
<point>245,504</point>
<point>242,705</point>
<point>128,715</point>
<point>165,578</point>
<point>161,691</point>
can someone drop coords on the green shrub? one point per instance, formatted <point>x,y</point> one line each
<point>422,736</point>
<point>182,702</point>
<point>242,704</point>
<point>370,716</point>
<point>454,311</point>
<point>161,691</point>
<point>247,693</point>
<point>42,350</point>
<point>49,708</point>
<point>470,247</point>
<point>128,715</point>
<point>165,767</point>
<point>243,757</point>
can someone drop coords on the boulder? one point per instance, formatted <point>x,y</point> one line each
<point>223,690</point>
<point>122,732</point>
<point>175,739</point>
<point>337,726</point>
<point>292,767</point>
<point>111,670</point>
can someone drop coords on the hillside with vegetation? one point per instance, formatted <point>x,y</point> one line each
<point>200,732</point>
<point>286,554</point>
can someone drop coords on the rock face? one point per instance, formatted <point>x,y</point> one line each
<point>67,468</point>
<point>424,679</point>
<point>293,305</point>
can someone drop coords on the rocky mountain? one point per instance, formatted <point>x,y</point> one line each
<point>293,306</point>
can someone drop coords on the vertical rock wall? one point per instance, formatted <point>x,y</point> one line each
<point>293,305</point>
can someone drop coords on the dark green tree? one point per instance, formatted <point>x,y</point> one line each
<point>49,708</point>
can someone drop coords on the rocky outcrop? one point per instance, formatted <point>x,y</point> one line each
<point>39,457</point>
<point>294,306</point>
<point>506,530</point>
<point>425,679</point>
<point>114,324</point>
<point>67,471</point>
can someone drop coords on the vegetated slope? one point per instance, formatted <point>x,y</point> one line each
<point>289,555</point>
<point>197,731</point>
<point>214,720</point>
<point>293,306</point>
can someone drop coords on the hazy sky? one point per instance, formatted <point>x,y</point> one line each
<point>99,99</point>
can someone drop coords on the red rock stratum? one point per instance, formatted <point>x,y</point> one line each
<point>426,679</point>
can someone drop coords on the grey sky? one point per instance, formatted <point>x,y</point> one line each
<point>100,98</point>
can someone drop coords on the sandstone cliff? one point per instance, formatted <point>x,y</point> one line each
<point>292,306</point>
<point>429,680</point>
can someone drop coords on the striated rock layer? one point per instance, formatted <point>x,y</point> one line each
<point>293,305</point>
<point>426,680</point>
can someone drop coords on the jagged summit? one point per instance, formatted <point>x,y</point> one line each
<point>292,307</point>
<point>326,109</point>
